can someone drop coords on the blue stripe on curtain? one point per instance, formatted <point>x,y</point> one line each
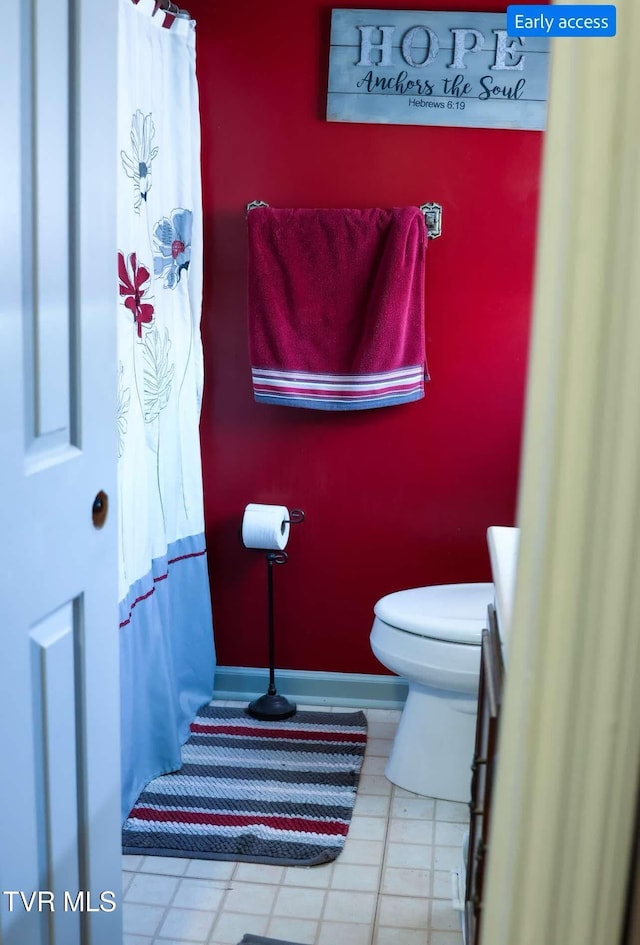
<point>178,665</point>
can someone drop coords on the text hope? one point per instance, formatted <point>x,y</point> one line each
<point>507,57</point>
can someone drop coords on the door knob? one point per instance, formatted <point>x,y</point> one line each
<point>100,509</point>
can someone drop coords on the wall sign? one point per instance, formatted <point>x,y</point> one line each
<point>420,68</point>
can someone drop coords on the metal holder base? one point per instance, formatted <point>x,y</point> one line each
<point>271,706</point>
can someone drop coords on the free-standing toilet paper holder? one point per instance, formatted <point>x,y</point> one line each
<point>272,705</point>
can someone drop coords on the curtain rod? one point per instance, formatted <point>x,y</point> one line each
<point>170,7</point>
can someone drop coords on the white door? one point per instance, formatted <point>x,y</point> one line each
<point>59,699</point>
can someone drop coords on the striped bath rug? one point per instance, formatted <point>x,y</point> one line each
<point>256,791</point>
<point>249,939</point>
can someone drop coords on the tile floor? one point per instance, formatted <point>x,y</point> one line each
<point>391,885</point>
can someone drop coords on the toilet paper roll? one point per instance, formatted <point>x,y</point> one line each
<point>265,527</point>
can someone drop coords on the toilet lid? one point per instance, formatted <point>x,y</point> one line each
<point>455,613</point>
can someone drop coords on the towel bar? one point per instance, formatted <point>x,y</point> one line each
<point>433,219</point>
<point>432,216</point>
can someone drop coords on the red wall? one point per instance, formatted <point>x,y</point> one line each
<point>394,497</point>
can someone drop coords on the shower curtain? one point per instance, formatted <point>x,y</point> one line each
<point>166,637</point>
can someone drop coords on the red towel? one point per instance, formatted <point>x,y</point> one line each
<point>336,307</point>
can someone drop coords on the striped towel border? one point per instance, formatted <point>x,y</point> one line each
<point>338,391</point>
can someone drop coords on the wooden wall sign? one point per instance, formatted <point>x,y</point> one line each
<point>420,68</point>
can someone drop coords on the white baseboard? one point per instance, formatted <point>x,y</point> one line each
<point>359,690</point>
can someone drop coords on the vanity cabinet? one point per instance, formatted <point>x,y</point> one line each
<point>483,773</point>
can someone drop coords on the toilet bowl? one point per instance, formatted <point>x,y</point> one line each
<point>431,636</point>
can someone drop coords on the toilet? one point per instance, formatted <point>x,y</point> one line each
<point>431,636</point>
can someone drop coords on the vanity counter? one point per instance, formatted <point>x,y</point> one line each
<point>503,552</point>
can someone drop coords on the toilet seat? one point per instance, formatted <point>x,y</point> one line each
<point>447,612</point>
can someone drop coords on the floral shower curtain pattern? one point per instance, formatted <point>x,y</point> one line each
<point>167,652</point>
